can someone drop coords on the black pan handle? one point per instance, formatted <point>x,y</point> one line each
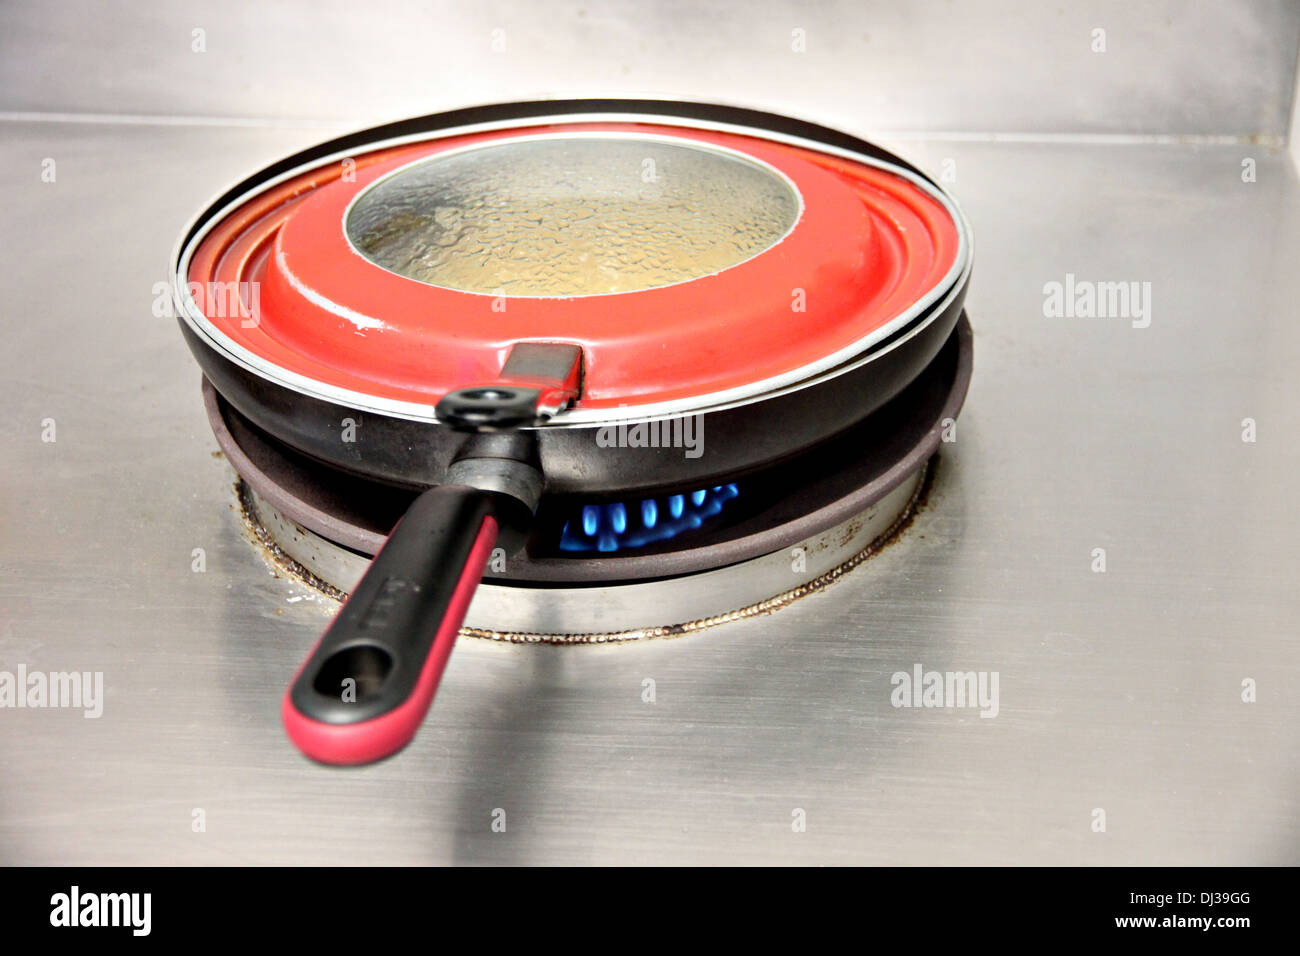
<point>365,688</point>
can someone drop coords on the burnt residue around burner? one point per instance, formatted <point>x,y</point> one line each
<point>272,551</point>
<point>919,500</point>
<point>894,532</point>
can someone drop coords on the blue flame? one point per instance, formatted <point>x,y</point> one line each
<point>623,525</point>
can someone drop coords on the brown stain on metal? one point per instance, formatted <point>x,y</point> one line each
<point>273,554</point>
<point>919,503</point>
<point>850,531</point>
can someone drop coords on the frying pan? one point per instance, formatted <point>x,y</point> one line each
<point>407,379</point>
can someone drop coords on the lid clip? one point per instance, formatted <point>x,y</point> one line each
<point>538,380</point>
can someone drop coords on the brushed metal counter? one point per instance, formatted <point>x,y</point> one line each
<point>1119,690</point>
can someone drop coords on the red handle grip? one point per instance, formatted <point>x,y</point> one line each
<point>364,690</point>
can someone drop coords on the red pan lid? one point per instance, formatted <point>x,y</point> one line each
<point>693,266</point>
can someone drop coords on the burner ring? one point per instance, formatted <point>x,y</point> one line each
<point>621,612</point>
<point>822,531</point>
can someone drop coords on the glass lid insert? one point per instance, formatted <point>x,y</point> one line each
<point>572,215</point>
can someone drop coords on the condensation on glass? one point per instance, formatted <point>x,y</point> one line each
<point>572,216</point>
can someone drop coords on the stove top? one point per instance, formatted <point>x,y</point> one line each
<point>1120,690</point>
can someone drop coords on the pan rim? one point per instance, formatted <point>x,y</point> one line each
<point>926,309</point>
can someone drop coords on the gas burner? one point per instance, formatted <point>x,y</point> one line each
<point>797,527</point>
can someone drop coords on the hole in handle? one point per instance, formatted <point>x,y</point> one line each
<point>489,394</point>
<point>365,664</point>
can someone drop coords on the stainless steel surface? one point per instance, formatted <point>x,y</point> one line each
<point>1293,128</point>
<point>1169,66</point>
<point>1119,690</point>
<point>629,611</point>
